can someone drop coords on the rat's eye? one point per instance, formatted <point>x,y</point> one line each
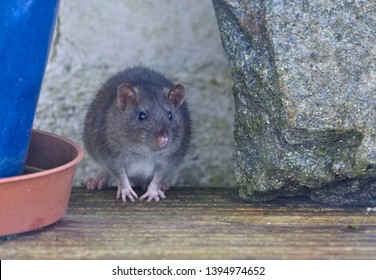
<point>170,116</point>
<point>142,116</point>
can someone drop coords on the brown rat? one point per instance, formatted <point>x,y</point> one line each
<point>138,128</point>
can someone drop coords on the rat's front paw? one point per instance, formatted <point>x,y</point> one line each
<point>126,192</point>
<point>153,194</point>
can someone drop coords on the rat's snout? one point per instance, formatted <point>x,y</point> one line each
<point>162,139</point>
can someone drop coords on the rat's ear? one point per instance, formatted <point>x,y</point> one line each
<point>126,95</point>
<point>176,95</point>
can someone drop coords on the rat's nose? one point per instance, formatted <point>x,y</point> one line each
<point>162,140</point>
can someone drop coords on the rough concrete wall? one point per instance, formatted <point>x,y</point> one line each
<point>95,38</point>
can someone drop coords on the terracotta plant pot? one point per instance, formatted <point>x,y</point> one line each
<point>39,197</point>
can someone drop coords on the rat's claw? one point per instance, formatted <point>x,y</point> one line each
<point>161,194</point>
<point>125,192</point>
<point>153,195</point>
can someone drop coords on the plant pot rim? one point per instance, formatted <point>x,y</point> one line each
<point>75,161</point>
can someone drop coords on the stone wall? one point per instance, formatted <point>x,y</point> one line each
<point>95,38</point>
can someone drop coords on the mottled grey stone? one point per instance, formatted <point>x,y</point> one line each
<point>304,87</point>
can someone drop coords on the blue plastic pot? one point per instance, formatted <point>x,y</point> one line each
<point>26,31</point>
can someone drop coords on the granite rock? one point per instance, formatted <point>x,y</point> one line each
<point>304,87</point>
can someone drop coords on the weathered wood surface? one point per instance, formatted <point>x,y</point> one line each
<point>198,224</point>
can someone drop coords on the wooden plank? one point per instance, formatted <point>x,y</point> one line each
<point>194,223</point>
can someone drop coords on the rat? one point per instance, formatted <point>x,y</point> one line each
<point>138,128</point>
